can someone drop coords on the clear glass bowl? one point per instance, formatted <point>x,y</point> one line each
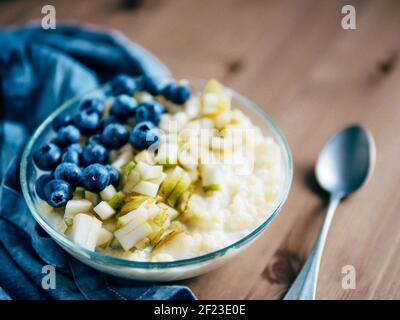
<point>151,271</point>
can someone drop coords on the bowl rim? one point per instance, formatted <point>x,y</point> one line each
<point>111,260</point>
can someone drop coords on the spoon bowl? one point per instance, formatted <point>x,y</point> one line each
<point>346,161</point>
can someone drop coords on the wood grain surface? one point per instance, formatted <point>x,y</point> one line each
<point>313,77</point>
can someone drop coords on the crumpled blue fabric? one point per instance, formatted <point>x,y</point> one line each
<point>39,70</point>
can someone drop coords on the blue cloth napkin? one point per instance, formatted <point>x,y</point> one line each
<point>40,69</point>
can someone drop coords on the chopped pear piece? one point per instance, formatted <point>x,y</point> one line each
<point>126,169</point>
<point>145,156</point>
<point>56,221</point>
<point>108,192</point>
<point>73,207</point>
<point>178,244</point>
<point>211,177</point>
<point>146,188</point>
<point>133,203</point>
<point>122,159</point>
<point>171,181</point>
<point>167,154</point>
<point>149,172</point>
<point>212,187</point>
<point>172,213</point>
<point>183,184</point>
<point>85,231</point>
<point>128,237</point>
<point>138,215</point>
<point>104,239</point>
<point>142,244</point>
<point>161,218</point>
<point>131,181</point>
<point>159,180</point>
<point>117,201</point>
<point>92,197</point>
<point>214,86</point>
<point>104,210</point>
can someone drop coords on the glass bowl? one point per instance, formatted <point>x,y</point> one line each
<point>151,271</point>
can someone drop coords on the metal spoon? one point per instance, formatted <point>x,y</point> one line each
<point>343,166</point>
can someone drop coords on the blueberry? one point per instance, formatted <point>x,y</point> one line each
<point>95,177</point>
<point>169,92</point>
<point>69,172</point>
<point>114,175</point>
<point>67,135</point>
<point>95,105</point>
<point>149,111</point>
<point>182,94</point>
<point>143,135</point>
<point>47,157</point>
<point>87,121</point>
<point>41,183</point>
<point>57,193</point>
<point>114,136</point>
<point>123,106</point>
<point>70,156</point>
<point>63,119</point>
<point>94,153</point>
<point>95,139</point>
<point>76,147</point>
<point>177,94</point>
<point>123,84</point>
<point>152,85</point>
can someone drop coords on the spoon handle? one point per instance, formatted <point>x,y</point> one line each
<point>305,285</point>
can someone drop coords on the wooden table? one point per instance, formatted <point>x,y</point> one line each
<point>313,77</point>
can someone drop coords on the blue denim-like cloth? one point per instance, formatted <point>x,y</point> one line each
<point>40,69</point>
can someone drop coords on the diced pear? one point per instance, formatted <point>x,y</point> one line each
<point>142,244</point>
<point>144,156</point>
<point>159,180</point>
<point>56,221</point>
<point>85,231</point>
<point>117,201</point>
<point>131,181</point>
<point>187,160</point>
<point>127,168</point>
<point>104,210</point>
<point>104,239</point>
<point>129,237</point>
<point>134,202</point>
<point>92,197</point>
<point>211,177</point>
<point>161,218</point>
<point>167,154</point>
<point>146,188</point>
<point>172,213</point>
<point>108,192</point>
<point>149,172</point>
<point>122,159</point>
<point>136,216</point>
<point>214,86</point>
<point>183,203</point>
<point>73,207</point>
<point>183,184</point>
<point>171,181</point>
<point>177,244</point>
